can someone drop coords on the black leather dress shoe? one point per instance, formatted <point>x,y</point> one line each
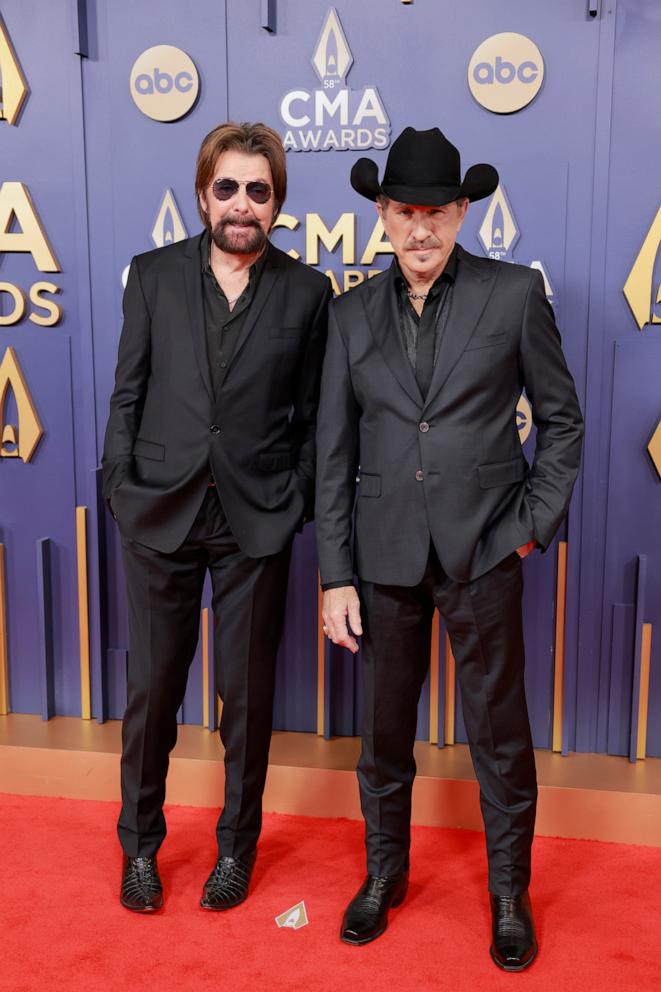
<point>227,885</point>
<point>141,889</point>
<point>367,914</point>
<point>514,945</point>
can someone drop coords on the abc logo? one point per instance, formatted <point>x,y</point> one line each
<point>506,72</point>
<point>164,83</point>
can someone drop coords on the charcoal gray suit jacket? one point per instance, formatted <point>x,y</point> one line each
<point>167,430</point>
<point>450,467</point>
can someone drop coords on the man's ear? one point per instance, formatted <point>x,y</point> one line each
<point>462,207</point>
<point>381,211</point>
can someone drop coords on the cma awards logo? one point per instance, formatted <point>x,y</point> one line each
<point>13,84</point>
<point>333,116</point>
<point>506,72</point>
<point>168,226</point>
<point>499,233</point>
<point>294,918</point>
<point>642,290</point>
<point>164,83</point>
<point>20,427</point>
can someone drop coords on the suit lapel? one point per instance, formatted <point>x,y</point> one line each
<point>264,286</point>
<point>193,283</point>
<point>469,298</point>
<point>383,319</point>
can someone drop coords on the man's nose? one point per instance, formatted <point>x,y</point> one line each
<point>241,200</point>
<point>421,227</point>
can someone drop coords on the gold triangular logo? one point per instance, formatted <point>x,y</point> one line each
<point>168,226</point>
<point>654,448</point>
<point>332,56</point>
<point>17,440</point>
<point>499,231</point>
<point>13,84</point>
<point>639,287</point>
<point>294,918</point>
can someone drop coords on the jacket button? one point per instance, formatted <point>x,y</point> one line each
<point>423,427</point>
<point>215,429</point>
<point>419,476</point>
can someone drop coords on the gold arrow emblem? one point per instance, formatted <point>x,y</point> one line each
<point>654,448</point>
<point>639,287</point>
<point>13,84</point>
<point>17,440</point>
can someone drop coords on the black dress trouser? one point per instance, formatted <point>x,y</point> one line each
<point>484,622</point>
<point>164,598</point>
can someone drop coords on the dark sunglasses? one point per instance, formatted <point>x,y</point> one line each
<point>225,189</point>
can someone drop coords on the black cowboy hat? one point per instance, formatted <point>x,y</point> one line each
<point>423,168</point>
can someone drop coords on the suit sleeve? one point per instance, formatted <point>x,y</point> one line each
<point>338,453</point>
<point>131,377</point>
<point>306,401</point>
<point>556,415</point>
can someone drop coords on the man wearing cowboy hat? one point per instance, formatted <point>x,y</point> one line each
<point>424,367</point>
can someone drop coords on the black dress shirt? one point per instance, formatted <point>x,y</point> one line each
<point>413,326</point>
<point>223,325</point>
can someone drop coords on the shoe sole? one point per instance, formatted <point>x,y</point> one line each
<point>144,910</point>
<point>221,909</point>
<point>358,942</point>
<point>513,967</point>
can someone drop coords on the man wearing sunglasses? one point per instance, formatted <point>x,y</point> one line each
<point>209,465</point>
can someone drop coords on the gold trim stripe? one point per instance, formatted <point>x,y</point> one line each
<point>4,657</point>
<point>433,682</point>
<point>450,678</point>
<point>83,613</point>
<point>559,662</point>
<point>321,667</point>
<point>643,696</point>
<point>206,674</point>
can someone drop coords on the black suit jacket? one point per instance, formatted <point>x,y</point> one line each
<point>167,431</point>
<point>450,466</point>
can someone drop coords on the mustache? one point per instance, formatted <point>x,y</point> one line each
<point>236,222</point>
<point>427,243</point>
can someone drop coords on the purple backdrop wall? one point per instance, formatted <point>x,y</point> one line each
<point>578,167</point>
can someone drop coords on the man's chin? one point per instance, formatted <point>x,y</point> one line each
<point>424,262</point>
<point>247,242</point>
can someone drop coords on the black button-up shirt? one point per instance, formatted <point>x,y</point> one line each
<point>223,326</point>
<point>434,312</point>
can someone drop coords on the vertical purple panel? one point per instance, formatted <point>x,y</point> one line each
<point>621,678</point>
<point>97,595</point>
<point>45,620</point>
<point>634,504</point>
<point>116,662</point>
<point>295,706</point>
<point>641,589</point>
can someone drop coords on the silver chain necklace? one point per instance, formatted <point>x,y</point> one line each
<point>417,296</point>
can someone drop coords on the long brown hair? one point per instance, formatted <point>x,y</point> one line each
<point>253,139</point>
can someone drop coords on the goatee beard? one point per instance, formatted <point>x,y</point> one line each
<point>236,243</point>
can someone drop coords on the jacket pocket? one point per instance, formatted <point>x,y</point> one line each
<point>369,485</point>
<point>149,449</point>
<point>486,341</point>
<point>284,332</point>
<point>502,473</point>
<point>277,461</point>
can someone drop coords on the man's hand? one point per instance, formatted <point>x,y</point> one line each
<point>525,549</point>
<point>337,605</point>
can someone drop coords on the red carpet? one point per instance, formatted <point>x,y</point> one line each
<point>598,910</point>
